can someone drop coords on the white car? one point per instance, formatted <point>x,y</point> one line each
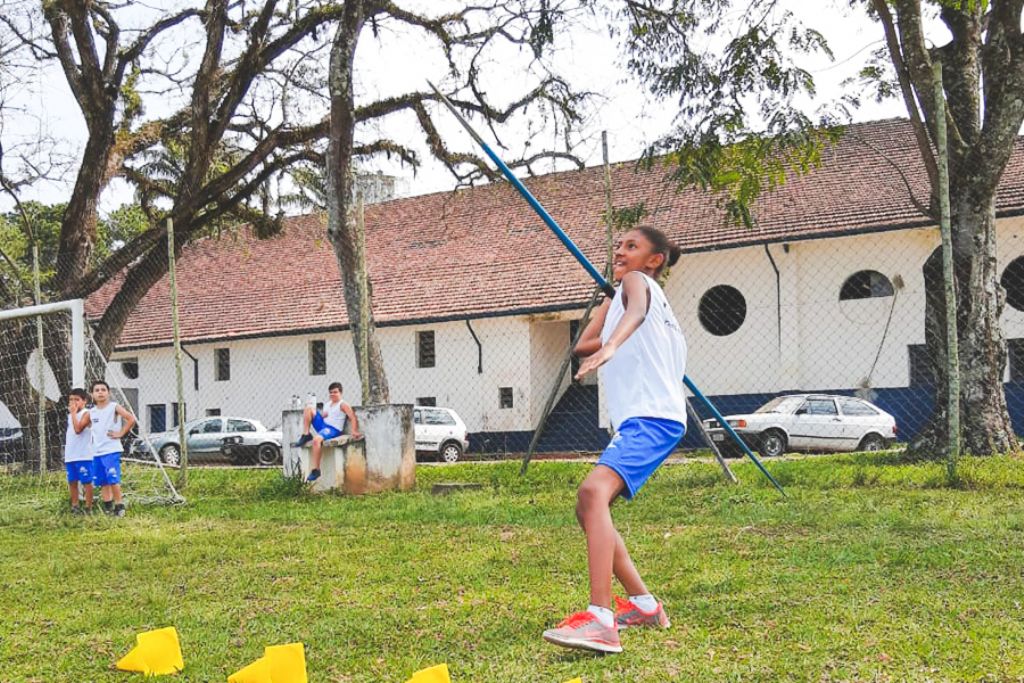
<point>440,431</point>
<point>808,422</point>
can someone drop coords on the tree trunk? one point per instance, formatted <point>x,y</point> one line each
<point>78,226</point>
<point>985,426</point>
<point>340,219</point>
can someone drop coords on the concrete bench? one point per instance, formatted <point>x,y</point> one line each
<point>384,459</point>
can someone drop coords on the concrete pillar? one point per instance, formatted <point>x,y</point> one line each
<point>384,461</point>
<point>390,447</point>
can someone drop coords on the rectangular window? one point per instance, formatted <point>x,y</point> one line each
<point>505,399</point>
<point>157,417</point>
<point>426,401</point>
<point>1015,349</point>
<point>318,356</point>
<point>240,426</point>
<point>425,349</point>
<point>922,370</point>
<point>210,412</point>
<point>223,364</point>
<point>174,414</point>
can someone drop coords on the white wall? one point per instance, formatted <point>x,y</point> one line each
<point>265,373</point>
<point>825,343</point>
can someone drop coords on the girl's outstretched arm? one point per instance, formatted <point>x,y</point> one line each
<point>590,340</point>
<point>636,301</point>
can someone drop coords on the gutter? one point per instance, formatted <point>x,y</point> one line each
<point>778,297</point>
<point>479,349</point>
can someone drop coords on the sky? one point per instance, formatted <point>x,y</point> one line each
<point>398,62</point>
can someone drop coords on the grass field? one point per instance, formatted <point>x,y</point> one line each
<point>870,570</point>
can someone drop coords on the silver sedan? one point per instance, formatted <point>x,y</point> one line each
<point>244,440</point>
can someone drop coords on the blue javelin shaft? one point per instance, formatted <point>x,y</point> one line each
<point>530,199</point>
<point>598,278</point>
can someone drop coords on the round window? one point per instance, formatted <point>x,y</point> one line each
<point>865,284</point>
<point>1013,282</point>
<point>722,310</point>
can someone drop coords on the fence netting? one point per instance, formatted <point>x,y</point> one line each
<point>812,340</point>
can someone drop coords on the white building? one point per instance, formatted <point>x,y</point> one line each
<point>475,299</point>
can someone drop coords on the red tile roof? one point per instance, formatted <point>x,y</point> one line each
<point>482,251</point>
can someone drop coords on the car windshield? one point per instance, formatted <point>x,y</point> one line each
<point>781,404</point>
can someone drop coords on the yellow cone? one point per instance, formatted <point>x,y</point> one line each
<point>257,672</point>
<point>435,674</point>
<point>575,680</point>
<point>287,663</point>
<point>133,661</point>
<point>156,653</point>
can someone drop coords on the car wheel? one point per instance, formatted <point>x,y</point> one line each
<point>451,452</point>
<point>268,454</point>
<point>773,444</point>
<point>872,442</point>
<point>170,455</point>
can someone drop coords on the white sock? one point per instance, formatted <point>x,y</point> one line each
<point>645,602</point>
<point>603,614</point>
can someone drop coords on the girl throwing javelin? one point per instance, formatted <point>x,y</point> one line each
<point>639,347</point>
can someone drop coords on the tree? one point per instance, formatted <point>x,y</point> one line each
<point>727,145</point>
<point>200,108</point>
<point>469,31</point>
<point>120,60</point>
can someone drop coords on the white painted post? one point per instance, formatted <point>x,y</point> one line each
<point>40,361</point>
<point>952,342</point>
<point>77,309</point>
<point>176,330</point>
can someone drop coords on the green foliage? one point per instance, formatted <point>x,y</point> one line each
<point>627,217</point>
<point>43,224</point>
<point>870,570</point>
<point>735,70</point>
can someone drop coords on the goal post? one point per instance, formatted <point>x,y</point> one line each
<point>45,351</point>
<point>76,309</point>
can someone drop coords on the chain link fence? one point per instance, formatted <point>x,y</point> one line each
<point>476,306</point>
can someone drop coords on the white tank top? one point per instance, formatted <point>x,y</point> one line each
<point>105,420</point>
<point>645,376</point>
<point>78,447</point>
<point>335,417</point>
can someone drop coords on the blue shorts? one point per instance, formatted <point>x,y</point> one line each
<point>639,448</point>
<point>107,468</point>
<point>80,471</point>
<point>323,429</point>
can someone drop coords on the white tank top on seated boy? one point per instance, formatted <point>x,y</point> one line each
<point>334,416</point>
<point>78,447</point>
<point>645,376</point>
<point>105,420</point>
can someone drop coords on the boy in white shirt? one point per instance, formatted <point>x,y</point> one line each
<point>327,424</point>
<point>78,450</point>
<point>110,423</point>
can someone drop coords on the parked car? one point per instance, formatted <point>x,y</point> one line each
<point>249,441</point>
<point>808,422</point>
<point>441,432</point>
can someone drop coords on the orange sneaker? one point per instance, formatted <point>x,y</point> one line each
<point>584,631</point>
<point>628,615</point>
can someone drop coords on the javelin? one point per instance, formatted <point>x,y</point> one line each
<point>605,286</point>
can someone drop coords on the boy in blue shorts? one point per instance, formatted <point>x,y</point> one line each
<point>78,450</point>
<point>110,423</point>
<point>326,425</point>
